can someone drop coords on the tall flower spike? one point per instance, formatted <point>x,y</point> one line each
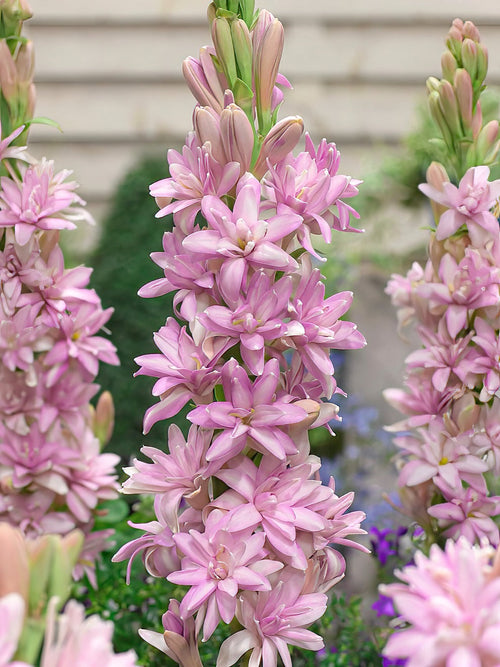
<point>240,514</point>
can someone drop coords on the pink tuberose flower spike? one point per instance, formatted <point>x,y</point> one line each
<point>452,381</point>
<point>54,476</point>
<point>242,521</point>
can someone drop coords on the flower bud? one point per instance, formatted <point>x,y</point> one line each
<point>267,59</point>
<point>203,80</point>
<point>104,418</point>
<point>8,73</point>
<point>242,45</point>
<point>14,569</point>
<point>221,35</point>
<point>436,111</point>
<point>487,144</point>
<point>464,95</point>
<point>237,136</point>
<point>25,63</point>
<point>279,141</point>
<point>469,57</point>
<point>436,176</point>
<point>12,15</point>
<point>206,123</point>
<point>449,66</point>
<point>449,106</point>
<point>470,31</point>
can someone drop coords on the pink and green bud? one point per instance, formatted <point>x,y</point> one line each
<point>436,111</point>
<point>267,58</point>
<point>470,31</point>
<point>449,66</point>
<point>242,45</point>
<point>103,418</point>
<point>8,73</point>
<point>14,569</point>
<point>449,106</point>
<point>464,96</point>
<point>237,136</point>
<point>469,54</point>
<point>436,176</point>
<point>221,35</point>
<point>203,80</point>
<point>279,141</point>
<point>206,123</point>
<point>487,144</point>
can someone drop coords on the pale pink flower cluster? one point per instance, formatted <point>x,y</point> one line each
<point>52,473</point>
<point>449,603</point>
<point>451,400</point>
<point>242,518</point>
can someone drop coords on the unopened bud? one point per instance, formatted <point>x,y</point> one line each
<point>25,63</point>
<point>104,418</point>
<point>279,141</point>
<point>211,12</point>
<point>448,66</point>
<point>242,45</point>
<point>482,63</point>
<point>470,31</point>
<point>266,64</point>
<point>437,176</point>
<point>449,106</point>
<point>437,114</point>
<point>14,569</point>
<point>487,144</point>
<point>12,15</point>
<point>477,120</point>
<point>432,84</point>
<point>221,35</point>
<point>8,72</point>
<point>203,80</point>
<point>237,136</point>
<point>464,95</point>
<point>206,123</point>
<point>469,57</point>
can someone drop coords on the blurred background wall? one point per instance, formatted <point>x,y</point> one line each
<point>109,71</point>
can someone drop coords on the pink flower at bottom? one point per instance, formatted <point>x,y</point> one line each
<point>272,620</point>
<point>451,601</point>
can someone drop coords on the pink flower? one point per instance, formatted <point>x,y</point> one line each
<point>310,186</point>
<point>160,557</point>
<point>39,201</point>
<point>71,640</point>
<point>177,475</point>
<point>448,359</point>
<point>217,564</point>
<point>81,344</point>
<point>437,454</point>
<point>317,325</point>
<point>257,318</point>
<point>451,600</point>
<point>463,287</point>
<point>488,340</point>
<point>182,271</point>
<point>469,205</point>
<point>251,415</point>
<point>273,620</point>
<point>277,499</point>
<point>469,513</point>
<point>183,370</point>
<point>194,175</point>
<point>240,239</point>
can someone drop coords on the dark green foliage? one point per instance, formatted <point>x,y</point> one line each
<point>121,266</point>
